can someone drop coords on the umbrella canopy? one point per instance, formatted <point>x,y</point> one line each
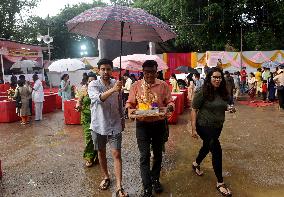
<point>120,23</point>
<point>134,62</point>
<point>64,65</point>
<point>106,23</point>
<point>186,69</point>
<point>25,64</point>
<point>270,64</point>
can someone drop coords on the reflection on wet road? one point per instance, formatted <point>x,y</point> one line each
<point>45,158</point>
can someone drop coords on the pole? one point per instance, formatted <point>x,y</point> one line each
<point>241,47</point>
<point>48,46</point>
<point>120,54</point>
<point>49,56</point>
<point>2,67</point>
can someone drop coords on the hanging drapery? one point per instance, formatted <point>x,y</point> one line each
<point>13,58</point>
<point>193,60</point>
<point>12,52</point>
<point>201,58</point>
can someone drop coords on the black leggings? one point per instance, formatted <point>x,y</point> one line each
<point>211,143</point>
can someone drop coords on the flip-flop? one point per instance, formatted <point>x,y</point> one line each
<point>122,192</point>
<point>88,164</point>
<point>105,184</point>
<point>197,168</point>
<point>228,194</point>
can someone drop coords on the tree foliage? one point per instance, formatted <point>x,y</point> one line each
<point>10,15</point>
<point>200,25</point>
<point>64,44</point>
<point>216,24</point>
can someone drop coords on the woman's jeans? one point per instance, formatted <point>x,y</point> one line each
<point>243,87</point>
<point>211,143</point>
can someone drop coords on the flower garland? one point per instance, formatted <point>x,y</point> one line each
<point>148,100</point>
<point>11,93</point>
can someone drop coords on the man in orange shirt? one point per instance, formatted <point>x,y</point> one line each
<point>150,131</point>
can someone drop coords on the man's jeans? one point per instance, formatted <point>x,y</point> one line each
<point>150,133</point>
<point>243,87</point>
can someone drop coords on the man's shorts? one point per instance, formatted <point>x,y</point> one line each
<point>100,141</point>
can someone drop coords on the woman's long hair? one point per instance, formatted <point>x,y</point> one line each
<point>63,76</point>
<point>208,89</point>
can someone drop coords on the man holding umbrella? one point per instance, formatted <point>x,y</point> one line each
<point>150,130</point>
<point>107,122</point>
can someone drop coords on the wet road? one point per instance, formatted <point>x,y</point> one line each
<point>45,159</point>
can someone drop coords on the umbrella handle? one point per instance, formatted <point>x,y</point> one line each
<point>121,36</point>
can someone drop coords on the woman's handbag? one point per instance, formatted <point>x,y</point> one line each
<point>280,88</point>
<point>18,99</point>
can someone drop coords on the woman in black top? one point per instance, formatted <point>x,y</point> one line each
<point>207,116</point>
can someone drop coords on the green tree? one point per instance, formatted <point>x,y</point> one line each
<point>65,44</point>
<point>216,24</point>
<point>10,15</point>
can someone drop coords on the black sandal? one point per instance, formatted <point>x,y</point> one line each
<point>122,192</point>
<point>228,194</point>
<point>105,184</point>
<point>197,168</point>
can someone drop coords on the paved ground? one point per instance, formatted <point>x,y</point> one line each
<point>45,159</point>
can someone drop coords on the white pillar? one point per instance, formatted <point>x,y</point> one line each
<point>152,48</point>
<point>2,66</point>
<point>100,48</point>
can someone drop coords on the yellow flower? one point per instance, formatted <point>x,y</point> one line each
<point>143,106</point>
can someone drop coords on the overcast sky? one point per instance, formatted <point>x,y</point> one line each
<point>52,7</point>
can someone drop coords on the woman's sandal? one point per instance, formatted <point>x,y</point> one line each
<point>228,193</point>
<point>105,184</point>
<point>121,193</point>
<point>88,164</point>
<point>197,170</point>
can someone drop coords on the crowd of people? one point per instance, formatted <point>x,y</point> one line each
<point>102,106</point>
<point>105,103</point>
<point>25,94</point>
<point>263,83</point>
<point>102,110</point>
<point>102,124</point>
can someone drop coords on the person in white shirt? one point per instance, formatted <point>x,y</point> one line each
<point>279,79</point>
<point>38,97</point>
<point>126,89</point>
<point>251,81</point>
<point>198,83</point>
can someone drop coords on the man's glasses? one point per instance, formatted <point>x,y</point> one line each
<point>216,77</point>
<point>150,72</point>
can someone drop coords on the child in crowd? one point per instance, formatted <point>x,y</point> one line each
<point>264,90</point>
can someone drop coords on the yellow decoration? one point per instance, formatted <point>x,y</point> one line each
<point>81,92</point>
<point>193,56</point>
<point>251,63</point>
<point>144,106</point>
<point>202,60</point>
<point>274,56</point>
<point>146,100</point>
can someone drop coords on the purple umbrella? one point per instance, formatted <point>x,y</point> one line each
<point>120,23</point>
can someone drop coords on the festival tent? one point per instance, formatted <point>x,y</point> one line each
<point>252,59</point>
<point>12,51</point>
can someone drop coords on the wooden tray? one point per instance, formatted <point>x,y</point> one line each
<point>162,112</point>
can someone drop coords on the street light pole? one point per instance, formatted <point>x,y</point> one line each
<point>241,54</point>
<point>48,46</point>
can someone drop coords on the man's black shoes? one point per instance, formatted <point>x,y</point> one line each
<point>147,193</point>
<point>158,188</point>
